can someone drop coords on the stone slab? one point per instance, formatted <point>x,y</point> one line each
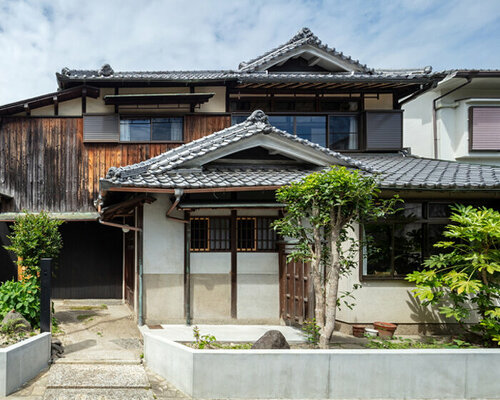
<point>97,376</point>
<point>98,394</point>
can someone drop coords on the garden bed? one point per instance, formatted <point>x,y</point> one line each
<point>22,361</point>
<point>335,374</point>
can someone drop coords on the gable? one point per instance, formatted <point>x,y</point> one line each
<point>303,53</point>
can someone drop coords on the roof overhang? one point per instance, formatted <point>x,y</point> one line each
<point>158,98</point>
<point>49,99</point>
<point>64,216</point>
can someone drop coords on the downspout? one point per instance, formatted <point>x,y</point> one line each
<point>434,114</point>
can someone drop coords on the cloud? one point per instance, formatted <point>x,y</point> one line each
<point>38,38</point>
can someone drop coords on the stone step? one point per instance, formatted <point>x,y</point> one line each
<point>97,376</point>
<point>97,361</point>
<point>98,394</point>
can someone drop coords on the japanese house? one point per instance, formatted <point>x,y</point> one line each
<point>167,179</point>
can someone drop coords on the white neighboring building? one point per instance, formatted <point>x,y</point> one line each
<point>458,119</point>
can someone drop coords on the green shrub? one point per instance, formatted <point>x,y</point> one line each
<point>312,331</point>
<point>23,297</point>
<point>464,280</point>
<point>35,236</point>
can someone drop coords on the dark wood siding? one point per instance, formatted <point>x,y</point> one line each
<point>47,166</point>
<point>90,265</point>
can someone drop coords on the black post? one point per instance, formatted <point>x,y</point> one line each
<point>45,293</point>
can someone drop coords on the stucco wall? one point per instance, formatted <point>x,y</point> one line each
<point>216,104</point>
<point>388,300</point>
<point>257,277</point>
<point>383,102</point>
<point>452,120</point>
<point>163,263</point>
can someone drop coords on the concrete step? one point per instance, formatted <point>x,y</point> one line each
<point>97,361</point>
<point>97,376</point>
<point>98,394</point>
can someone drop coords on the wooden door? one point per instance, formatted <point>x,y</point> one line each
<point>294,290</point>
<point>129,267</point>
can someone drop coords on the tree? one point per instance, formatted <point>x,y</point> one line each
<point>320,212</point>
<point>464,280</point>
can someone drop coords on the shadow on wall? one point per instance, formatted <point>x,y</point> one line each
<point>7,263</point>
<point>428,318</point>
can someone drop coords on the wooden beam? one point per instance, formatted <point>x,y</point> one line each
<point>234,265</point>
<point>56,105</point>
<point>84,100</point>
<point>313,61</point>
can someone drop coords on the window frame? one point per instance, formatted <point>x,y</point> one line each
<point>327,116</point>
<point>471,133</point>
<point>425,221</point>
<point>255,248</point>
<point>150,117</point>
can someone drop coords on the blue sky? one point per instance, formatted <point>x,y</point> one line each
<point>38,38</point>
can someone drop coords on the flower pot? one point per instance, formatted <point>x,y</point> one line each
<point>371,332</point>
<point>385,329</point>
<point>358,330</point>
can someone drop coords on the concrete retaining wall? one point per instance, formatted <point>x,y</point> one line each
<point>335,374</point>
<point>23,361</point>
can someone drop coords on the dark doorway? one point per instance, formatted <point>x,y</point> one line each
<point>129,267</point>
<point>7,264</point>
<point>91,262</point>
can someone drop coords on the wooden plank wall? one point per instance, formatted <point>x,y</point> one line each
<point>46,166</point>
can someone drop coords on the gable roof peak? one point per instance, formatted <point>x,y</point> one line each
<point>292,48</point>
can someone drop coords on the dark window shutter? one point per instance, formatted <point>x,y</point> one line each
<point>485,127</point>
<point>383,130</point>
<point>101,128</point>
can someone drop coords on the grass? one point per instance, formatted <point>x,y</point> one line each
<point>89,308</point>
<point>221,346</point>
<point>401,343</point>
<point>83,317</point>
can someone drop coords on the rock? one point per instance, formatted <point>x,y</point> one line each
<point>16,321</point>
<point>57,349</point>
<point>271,340</point>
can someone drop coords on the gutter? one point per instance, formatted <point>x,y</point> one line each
<point>434,113</point>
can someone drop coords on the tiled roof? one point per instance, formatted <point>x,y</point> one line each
<point>244,77</point>
<point>303,37</point>
<point>399,171</point>
<point>178,168</point>
<point>150,171</point>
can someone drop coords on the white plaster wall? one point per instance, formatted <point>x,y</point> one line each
<point>43,111</point>
<point>417,125</point>
<point>210,263</point>
<point>383,300</point>
<point>97,106</point>
<point>258,286</point>
<point>452,121</point>
<point>71,107</point>
<point>163,239</point>
<point>217,103</point>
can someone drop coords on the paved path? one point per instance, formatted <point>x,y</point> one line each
<point>102,359</point>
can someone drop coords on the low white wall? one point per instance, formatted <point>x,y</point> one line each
<point>335,374</point>
<point>23,361</point>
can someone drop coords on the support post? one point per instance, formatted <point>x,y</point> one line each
<point>45,294</point>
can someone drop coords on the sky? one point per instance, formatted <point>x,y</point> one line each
<point>39,38</point>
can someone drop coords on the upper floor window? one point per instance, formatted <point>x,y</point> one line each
<point>484,128</point>
<point>148,129</point>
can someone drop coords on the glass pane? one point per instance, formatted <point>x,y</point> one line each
<point>410,212</point>
<point>135,130</point>
<point>435,234</point>
<point>437,210</point>
<point>285,123</point>
<point>219,234</point>
<point>169,129</point>
<point>237,119</point>
<point>266,236</point>
<point>344,132</point>
<point>312,129</point>
<point>246,234</point>
<point>378,249</point>
<point>407,248</point>
<point>199,234</point>
<point>284,105</point>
